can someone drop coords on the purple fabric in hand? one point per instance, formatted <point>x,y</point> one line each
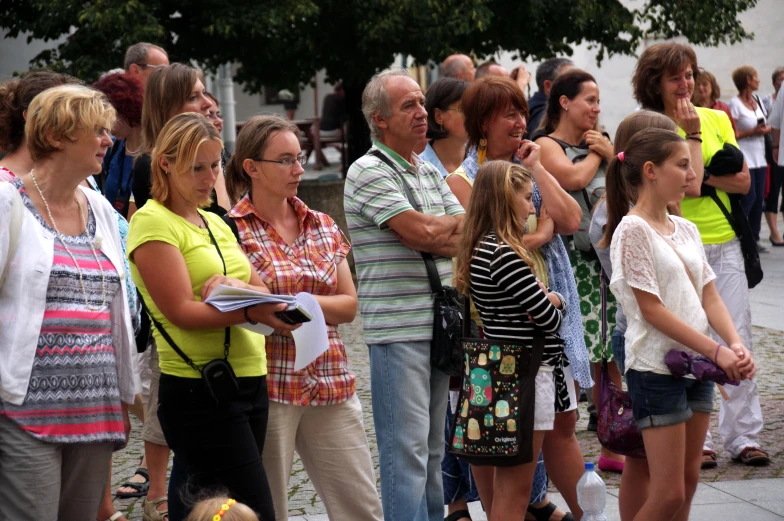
<point>681,363</point>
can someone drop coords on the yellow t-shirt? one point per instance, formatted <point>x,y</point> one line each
<point>154,222</point>
<point>703,211</point>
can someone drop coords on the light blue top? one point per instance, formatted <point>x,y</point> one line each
<point>429,156</point>
<point>559,272</point>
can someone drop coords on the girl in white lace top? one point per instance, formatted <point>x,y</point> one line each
<point>665,286</point>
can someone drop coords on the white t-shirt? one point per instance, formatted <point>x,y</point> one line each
<point>775,119</point>
<point>643,259</point>
<point>753,147</point>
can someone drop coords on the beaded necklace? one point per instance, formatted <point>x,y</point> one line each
<point>60,236</point>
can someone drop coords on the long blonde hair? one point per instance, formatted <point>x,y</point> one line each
<point>207,510</point>
<point>493,207</point>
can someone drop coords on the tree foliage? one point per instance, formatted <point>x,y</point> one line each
<point>284,42</point>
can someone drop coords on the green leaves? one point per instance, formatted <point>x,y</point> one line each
<point>283,43</point>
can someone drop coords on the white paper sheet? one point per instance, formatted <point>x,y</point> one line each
<point>310,339</point>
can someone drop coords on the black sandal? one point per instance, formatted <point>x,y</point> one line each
<point>458,514</point>
<point>140,489</point>
<point>544,513</point>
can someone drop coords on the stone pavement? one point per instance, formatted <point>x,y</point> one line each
<point>730,492</point>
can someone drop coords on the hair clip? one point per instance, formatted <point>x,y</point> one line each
<point>223,509</point>
<point>621,157</point>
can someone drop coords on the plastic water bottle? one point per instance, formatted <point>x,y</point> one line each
<point>591,495</point>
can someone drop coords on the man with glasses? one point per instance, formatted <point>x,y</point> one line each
<point>388,232</point>
<point>142,58</point>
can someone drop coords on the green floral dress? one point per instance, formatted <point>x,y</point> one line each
<point>587,272</point>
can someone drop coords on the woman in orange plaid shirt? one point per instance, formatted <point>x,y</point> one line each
<point>315,410</point>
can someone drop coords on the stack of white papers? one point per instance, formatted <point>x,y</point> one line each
<point>310,339</point>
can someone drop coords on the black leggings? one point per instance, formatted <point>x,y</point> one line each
<point>216,448</point>
<point>776,186</point>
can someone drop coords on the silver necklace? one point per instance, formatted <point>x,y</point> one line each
<point>60,236</point>
<point>653,220</point>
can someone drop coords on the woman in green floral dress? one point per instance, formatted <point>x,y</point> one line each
<point>576,154</point>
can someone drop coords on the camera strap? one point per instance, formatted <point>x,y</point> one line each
<point>168,338</point>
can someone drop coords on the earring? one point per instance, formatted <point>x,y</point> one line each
<point>654,181</point>
<point>566,109</point>
<point>481,151</point>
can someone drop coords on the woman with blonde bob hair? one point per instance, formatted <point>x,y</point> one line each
<point>496,270</point>
<point>179,255</point>
<point>66,338</point>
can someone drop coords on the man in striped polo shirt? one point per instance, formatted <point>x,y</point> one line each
<point>387,232</point>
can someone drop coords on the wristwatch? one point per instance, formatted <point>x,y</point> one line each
<point>706,175</point>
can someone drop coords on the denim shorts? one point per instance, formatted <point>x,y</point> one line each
<point>618,344</point>
<point>663,399</point>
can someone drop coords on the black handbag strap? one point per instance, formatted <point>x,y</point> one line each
<point>168,338</point>
<point>430,263</point>
<point>727,214</point>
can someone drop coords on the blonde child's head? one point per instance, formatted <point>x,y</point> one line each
<point>221,508</point>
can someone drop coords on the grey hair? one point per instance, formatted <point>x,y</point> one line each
<point>375,98</point>
<point>452,67</point>
<point>138,52</point>
<point>548,70</point>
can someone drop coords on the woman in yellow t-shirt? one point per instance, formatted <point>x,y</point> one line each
<point>664,81</point>
<point>179,255</point>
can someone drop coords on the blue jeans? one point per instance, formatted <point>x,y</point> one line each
<point>409,406</point>
<point>754,201</point>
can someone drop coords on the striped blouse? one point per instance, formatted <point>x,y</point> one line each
<point>513,306</point>
<point>74,394</point>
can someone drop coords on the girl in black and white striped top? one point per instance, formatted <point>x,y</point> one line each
<point>496,269</point>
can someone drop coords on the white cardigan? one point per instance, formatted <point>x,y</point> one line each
<point>23,296</point>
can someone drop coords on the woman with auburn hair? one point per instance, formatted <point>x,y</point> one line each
<point>664,81</point>
<point>662,278</point>
<point>217,433</point>
<point>66,338</point>
<point>751,129</point>
<point>491,254</point>
<point>495,112</point>
<point>315,410</point>
<point>126,94</point>
<point>707,93</point>
<point>15,98</point>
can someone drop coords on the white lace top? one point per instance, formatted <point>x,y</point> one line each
<point>643,259</point>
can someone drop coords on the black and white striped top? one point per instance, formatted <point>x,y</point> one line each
<point>513,306</point>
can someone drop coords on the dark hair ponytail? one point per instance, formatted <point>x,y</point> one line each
<point>653,145</point>
<point>569,84</point>
<point>617,199</point>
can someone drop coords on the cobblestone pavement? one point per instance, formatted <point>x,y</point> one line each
<point>303,499</point>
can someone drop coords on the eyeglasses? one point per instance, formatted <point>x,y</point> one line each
<point>150,65</point>
<point>287,162</point>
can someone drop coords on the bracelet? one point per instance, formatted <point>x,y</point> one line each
<point>694,133</point>
<point>716,356</point>
<point>247,317</point>
<point>694,138</point>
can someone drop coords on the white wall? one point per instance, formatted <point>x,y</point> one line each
<point>764,53</point>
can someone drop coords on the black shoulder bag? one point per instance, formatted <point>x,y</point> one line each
<point>740,225</point>
<point>446,352</point>
<point>218,375</point>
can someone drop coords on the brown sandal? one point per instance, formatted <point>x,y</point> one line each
<point>709,459</point>
<point>150,510</point>
<point>753,456</point>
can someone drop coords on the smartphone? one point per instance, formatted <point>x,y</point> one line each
<point>294,315</point>
<point>760,122</point>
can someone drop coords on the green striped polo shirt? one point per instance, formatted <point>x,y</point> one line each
<point>394,293</point>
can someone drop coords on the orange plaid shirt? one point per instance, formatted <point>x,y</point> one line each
<point>311,265</point>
